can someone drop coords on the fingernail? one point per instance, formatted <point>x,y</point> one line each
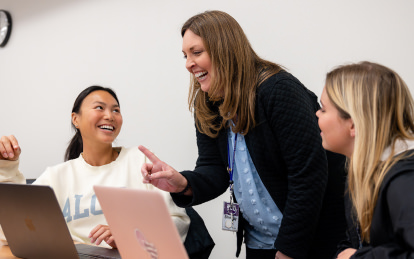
<point>16,147</point>
<point>5,155</point>
<point>11,155</point>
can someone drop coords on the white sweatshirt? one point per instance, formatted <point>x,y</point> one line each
<point>73,183</point>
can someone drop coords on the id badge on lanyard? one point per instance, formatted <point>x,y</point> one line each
<point>230,220</point>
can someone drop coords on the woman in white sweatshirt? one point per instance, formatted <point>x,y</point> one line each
<point>90,160</point>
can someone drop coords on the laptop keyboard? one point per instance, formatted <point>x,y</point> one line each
<point>89,251</point>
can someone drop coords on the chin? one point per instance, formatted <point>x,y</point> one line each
<point>205,88</point>
<point>108,140</point>
<point>326,147</point>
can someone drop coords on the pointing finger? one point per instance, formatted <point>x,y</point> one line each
<point>153,158</point>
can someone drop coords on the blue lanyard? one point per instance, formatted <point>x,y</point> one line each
<point>230,168</point>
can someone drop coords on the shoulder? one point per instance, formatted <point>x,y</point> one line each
<point>64,166</point>
<point>403,166</point>
<point>284,86</point>
<point>396,194</point>
<point>54,174</point>
<point>401,174</point>
<point>281,80</point>
<point>280,77</point>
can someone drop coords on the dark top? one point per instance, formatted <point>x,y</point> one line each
<point>392,228</point>
<point>353,237</point>
<point>286,149</point>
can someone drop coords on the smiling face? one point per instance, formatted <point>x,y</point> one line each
<point>337,134</point>
<point>99,119</point>
<point>198,61</point>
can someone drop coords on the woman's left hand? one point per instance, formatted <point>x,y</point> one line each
<point>280,255</point>
<point>102,233</point>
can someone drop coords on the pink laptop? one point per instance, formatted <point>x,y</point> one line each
<point>141,224</point>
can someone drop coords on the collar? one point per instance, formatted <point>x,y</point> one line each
<point>400,146</point>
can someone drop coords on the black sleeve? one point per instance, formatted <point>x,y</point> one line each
<point>209,178</point>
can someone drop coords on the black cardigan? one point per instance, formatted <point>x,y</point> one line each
<point>286,149</point>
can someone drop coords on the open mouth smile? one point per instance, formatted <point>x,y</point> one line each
<point>201,75</point>
<point>107,127</point>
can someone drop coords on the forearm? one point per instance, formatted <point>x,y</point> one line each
<point>209,179</point>
<point>299,222</point>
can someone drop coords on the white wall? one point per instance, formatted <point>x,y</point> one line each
<point>59,47</point>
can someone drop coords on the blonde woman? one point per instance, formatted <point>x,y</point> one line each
<point>367,114</point>
<point>259,120</point>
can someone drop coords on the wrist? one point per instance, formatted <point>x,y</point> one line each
<point>187,187</point>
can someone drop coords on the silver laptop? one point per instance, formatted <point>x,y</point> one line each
<point>34,225</point>
<point>141,223</point>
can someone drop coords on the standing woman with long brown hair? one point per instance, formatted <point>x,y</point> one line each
<point>257,133</point>
<point>368,115</point>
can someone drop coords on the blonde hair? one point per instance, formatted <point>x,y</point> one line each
<point>381,107</point>
<point>236,73</point>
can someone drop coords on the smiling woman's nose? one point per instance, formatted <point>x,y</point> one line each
<point>189,63</point>
<point>109,115</point>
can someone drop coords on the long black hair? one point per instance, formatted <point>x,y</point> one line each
<point>75,146</point>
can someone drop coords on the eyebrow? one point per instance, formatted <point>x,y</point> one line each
<point>192,48</point>
<point>102,103</point>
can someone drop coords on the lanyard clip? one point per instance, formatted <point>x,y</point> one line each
<point>231,187</point>
<point>231,191</point>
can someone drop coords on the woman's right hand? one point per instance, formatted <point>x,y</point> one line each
<point>161,175</point>
<point>102,233</point>
<point>9,148</point>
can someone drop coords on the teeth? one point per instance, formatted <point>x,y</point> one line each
<point>200,74</point>
<point>108,127</point>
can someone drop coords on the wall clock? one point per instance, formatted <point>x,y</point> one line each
<point>5,27</point>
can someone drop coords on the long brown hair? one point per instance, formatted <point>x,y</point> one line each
<point>236,73</point>
<point>382,110</point>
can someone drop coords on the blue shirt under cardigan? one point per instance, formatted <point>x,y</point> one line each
<point>255,203</point>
